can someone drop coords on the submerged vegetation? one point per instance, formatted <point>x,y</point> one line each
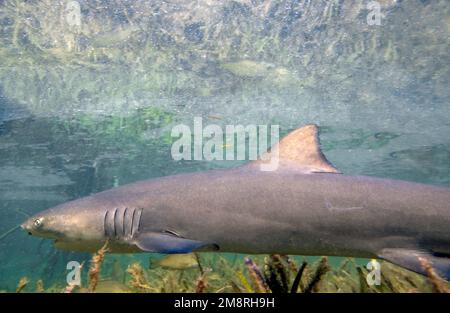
<point>262,274</point>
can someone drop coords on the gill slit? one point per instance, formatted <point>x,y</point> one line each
<point>140,218</point>
<point>114,223</point>
<point>105,223</point>
<point>132,222</point>
<point>123,222</point>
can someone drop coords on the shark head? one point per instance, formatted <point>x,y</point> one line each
<point>69,224</point>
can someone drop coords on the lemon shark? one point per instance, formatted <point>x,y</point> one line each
<point>304,207</point>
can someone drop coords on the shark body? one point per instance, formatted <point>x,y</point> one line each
<point>305,207</point>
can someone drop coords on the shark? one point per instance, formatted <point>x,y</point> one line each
<point>305,206</point>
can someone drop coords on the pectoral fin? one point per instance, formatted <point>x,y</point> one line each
<point>410,259</point>
<point>166,243</point>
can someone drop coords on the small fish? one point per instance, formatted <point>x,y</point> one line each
<point>176,261</point>
<point>277,75</point>
<point>115,37</point>
<point>248,68</point>
<point>108,286</point>
<point>214,117</point>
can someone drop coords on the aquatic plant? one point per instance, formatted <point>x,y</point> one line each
<point>321,269</point>
<point>69,288</point>
<point>202,283</point>
<point>439,285</point>
<point>257,276</point>
<point>276,274</point>
<point>23,282</point>
<point>94,271</point>
<point>244,275</point>
<point>138,279</point>
<point>244,282</point>
<point>298,277</point>
<point>40,286</point>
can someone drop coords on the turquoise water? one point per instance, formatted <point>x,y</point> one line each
<point>380,95</point>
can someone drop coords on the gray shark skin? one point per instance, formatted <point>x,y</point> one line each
<point>305,207</point>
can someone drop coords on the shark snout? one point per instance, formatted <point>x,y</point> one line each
<point>25,226</point>
<point>39,226</point>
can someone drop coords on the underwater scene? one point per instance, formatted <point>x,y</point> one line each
<point>95,95</point>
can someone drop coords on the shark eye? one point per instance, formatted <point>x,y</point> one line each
<point>37,223</point>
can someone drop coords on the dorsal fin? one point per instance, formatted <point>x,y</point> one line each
<point>301,149</point>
